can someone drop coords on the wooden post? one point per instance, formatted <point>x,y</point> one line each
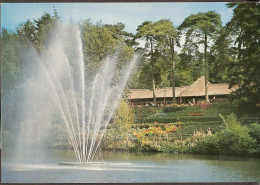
<point>165,91</point>
<point>140,116</point>
<point>131,103</point>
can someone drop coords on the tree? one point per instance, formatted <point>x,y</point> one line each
<point>201,26</point>
<point>146,30</point>
<point>220,57</point>
<point>11,62</point>
<point>244,73</point>
<point>159,36</point>
<point>100,40</point>
<point>119,135</point>
<point>37,32</point>
<point>169,38</point>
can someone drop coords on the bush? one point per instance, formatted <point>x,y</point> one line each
<point>173,109</point>
<point>247,108</point>
<point>167,147</point>
<point>119,136</point>
<point>146,111</point>
<point>207,145</point>
<point>181,118</point>
<point>255,132</point>
<point>234,139</point>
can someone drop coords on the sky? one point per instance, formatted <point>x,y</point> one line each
<point>131,14</point>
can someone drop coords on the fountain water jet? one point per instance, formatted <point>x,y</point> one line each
<point>84,103</point>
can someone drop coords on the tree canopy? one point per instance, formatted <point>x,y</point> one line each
<point>199,29</point>
<point>222,53</point>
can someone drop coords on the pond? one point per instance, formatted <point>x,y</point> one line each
<point>132,167</point>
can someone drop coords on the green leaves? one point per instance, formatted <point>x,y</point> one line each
<point>200,25</point>
<point>233,140</point>
<point>206,23</point>
<point>100,40</point>
<point>245,30</point>
<point>11,62</point>
<point>37,32</point>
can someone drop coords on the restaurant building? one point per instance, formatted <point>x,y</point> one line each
<point>193,93</point>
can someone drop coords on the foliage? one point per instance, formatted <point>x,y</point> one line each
<point>119,135</point>
<point>254,132</point>
<point>38,31</point>
<point>14,46</point>
<point>207,145</point>
<point>101,40</point>
<point>231,54</point>
<point>167,147</point>
<point>244,71</point>
<point>159,36</point>
<point>221,56</point>
<point>149,139</point>
<point>173,109</point>
<point>234,139</point>
<point>181,118</point>
<point>11,62</point>
<point>203,27</point>
<point>223,107</point>
<point>197,114</point>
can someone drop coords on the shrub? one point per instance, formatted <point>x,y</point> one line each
<point>234,139</point>
<point>167,147</point>
<point>120,134</point>
<point>146,111</point>
<point>207,145</point>
<point>181,118</point>
<point>173,109</point>
<point>254,132</point>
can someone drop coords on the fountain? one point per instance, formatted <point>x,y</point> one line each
<point>60,90</point>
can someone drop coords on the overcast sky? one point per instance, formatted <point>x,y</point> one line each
<point>131,14</point>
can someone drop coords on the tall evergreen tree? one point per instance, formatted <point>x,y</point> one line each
<point>244,27</point>
<point>158,35</point>
<point>168,39</point>
<point>202,27</point>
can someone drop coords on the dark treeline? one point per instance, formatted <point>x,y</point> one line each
<point>222,53</point>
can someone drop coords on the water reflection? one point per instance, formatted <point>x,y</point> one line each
<point>135,167</point>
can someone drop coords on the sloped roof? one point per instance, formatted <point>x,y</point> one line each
<point>159,93</point>
<point>198,89</point>
<point>195,89</point>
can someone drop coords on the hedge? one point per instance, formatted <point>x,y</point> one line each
<point>182,124</point>
<point>172,109</point>
<point>181,118</point>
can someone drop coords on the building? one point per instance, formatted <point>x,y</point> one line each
<point>185,94</point>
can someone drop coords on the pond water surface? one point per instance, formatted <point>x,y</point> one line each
<point>131,167</point>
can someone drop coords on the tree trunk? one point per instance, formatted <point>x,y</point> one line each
<point>153,81</point>
<point>154,97</point>
<point>206,68</point>
<point>173,75</point>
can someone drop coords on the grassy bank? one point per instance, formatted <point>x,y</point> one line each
<point>184,129</point>
<point>203,128</point>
